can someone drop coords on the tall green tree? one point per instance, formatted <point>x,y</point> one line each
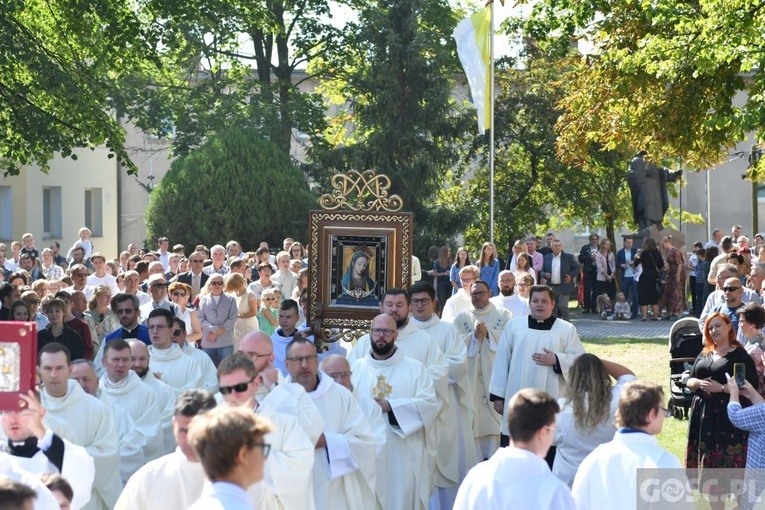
<point>397,78</point>
<point>238,185</point>
<point>662,75</point>
<point>60,70</point>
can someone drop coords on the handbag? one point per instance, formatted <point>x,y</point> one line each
<point>661,276</point>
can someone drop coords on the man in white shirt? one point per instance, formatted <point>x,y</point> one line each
<point>163,252</point>
<point>508,298</point>
<point>99,277</point>
<point>344,459</point>
<point>133,287</point>
<point>607,478</point>
<point>517,474</point>
<point>174,481</point>
<point>122,387</point>
<point>218,255</point>
<point>90,421</point>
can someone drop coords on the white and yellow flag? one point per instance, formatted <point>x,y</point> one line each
<point>472,37</point>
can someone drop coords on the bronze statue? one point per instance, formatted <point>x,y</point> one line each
<point>648,187</point>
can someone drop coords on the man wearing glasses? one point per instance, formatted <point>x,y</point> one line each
<point>127,309</point>
<point>176,368</point>
<point>195,278</point>
<point>718,298</point>
<point>344,456</point>
<point>404,390</point>
<point>157,288</point>
<point>480,328</point>
<point>287,476</point>
<point>456,437</point>
<point>79,274</point>
<point>460,301</point>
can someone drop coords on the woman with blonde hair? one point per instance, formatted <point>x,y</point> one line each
<point>99,309</point>
<point>588,411</point>
<point>605,279</point>
<point>246,305</point>
<point>180,294</point>
<point>461,259</point>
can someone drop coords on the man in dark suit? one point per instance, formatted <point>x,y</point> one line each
<point>625,259</point>
<point>195,278</point>
<point>587,260</point>
<point>559,271</point>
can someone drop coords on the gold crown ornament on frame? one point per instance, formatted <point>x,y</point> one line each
<point>361,191</point>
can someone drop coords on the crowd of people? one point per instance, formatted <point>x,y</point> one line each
<point>178,381</point>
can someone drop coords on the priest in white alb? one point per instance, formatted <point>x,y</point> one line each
<point>456,447</point>
<point>176,368</point>
<point>460,300</point>
<point>287,482</point>
<point>534,352</point>
<point>209,378</point>
<point>39,450</point>
<point>89,420</point>
<point>140,364</point>
<point>174,481</point>
<point>344,458</point>
<point>131,442</point>
<point>404,391</point>
<point>122,387</point>
<point>418,345</point>
<point>480,328</point>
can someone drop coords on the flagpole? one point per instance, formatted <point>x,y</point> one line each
<point>491,128</point>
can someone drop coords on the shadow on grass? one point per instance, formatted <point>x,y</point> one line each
<point>626,341</point>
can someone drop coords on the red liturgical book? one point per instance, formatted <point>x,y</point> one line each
<point>18,362</point>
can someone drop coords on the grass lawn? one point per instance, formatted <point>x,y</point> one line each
<point>649,359</point>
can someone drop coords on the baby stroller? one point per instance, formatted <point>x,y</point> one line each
<point>685,344</point>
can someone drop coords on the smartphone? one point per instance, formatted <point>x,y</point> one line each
<point>739,374</point>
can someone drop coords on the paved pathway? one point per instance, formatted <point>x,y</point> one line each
<point>591,327</point>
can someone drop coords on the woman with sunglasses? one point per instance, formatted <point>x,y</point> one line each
<point>247,306</point>
<point>713,442</point>
<point>180,293</point>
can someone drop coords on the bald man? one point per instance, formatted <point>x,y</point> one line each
<point>404,390</point>
<point>140,361</point>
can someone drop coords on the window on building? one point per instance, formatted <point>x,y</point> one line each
<point>52,212</point>
<point>6,213</point>
<point>94,211</point>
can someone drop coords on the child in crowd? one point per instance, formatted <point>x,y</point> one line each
<point>622,308</point>
<point>605,307</point>
<point>84,242</point>
<point>268,316</point>
<point>29,246</point>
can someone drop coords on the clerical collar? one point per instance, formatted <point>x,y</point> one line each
<point>543,325</point>
<point>280,332</point>
<point>130,333</point>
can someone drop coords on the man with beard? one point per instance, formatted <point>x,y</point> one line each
<point>404,391</point>
<point>480,328</point>
<point>559,271</point>
<point>140,360</point>
<point>416,344</point>
<point>534,352</point>
<point>344,456</point>
<point>456,449</point>
<point>507,297</point>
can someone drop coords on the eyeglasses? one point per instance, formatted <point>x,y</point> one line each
<point>269,299</point>
<point>216,283</point>
<point>179,294</point>
<point>667,412</point>
<point>124,311</point>
<point>298,360</point>
<point>730,289</point>
<point>339,375</point>
<point>523,285</point>
<point>177,332</point>
<point>265,448</point>
<point>387,333</point>
<point>238,388</point>
<point>423,301</point>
